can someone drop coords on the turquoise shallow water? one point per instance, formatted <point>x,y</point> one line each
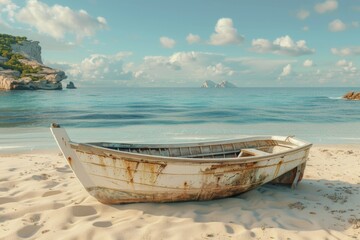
<point>179,114</point>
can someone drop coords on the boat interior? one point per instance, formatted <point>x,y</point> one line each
<point>205,150</point>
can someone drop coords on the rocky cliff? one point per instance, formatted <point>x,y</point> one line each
<point>29,49</point>
<point>21,66</point>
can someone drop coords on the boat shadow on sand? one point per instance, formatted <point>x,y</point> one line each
<point>313,205</point>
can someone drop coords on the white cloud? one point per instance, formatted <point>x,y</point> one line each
<point>346,66</point>
<point>219,69</point>
<point>193,68</point>
<point>185,68</point>
<point>346,51</point>
<point>192,38</point>
<point>305,28</point>
<point>58,21</point>
<point>342,62</point>
<point>225,33</point>
<point>286,71</point>
<point>167,42</point>
<point>337,25</point>
<point>9,8</point>
<point>98,67</point>
<point>282,45</point>
<point>302,14</point>
<point>308,63</point>
<point>327,6</point>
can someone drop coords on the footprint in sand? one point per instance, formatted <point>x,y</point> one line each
<point>4,189</point>
<point>28,231</point>
<point>51,193</point>
<point>102,224</point>
<point>229,229</point>
<point>4,200</point>
<point>51,184</point>
<point>83,211</point>
<point>43,176</point>
<point>64,169</point>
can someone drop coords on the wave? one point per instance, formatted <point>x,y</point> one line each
<point>10,147</point>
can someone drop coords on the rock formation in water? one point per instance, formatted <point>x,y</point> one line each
<point>70,85</point>
<point>208,84</point>
<point>352,96</point>
<point>21,67</point>
<point>223,84</point>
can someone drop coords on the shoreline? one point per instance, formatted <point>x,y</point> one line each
<point>42,199</point>
<point>38,138</point>
<point>56,150</point>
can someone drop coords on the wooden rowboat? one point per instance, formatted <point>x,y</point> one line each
<point>127,173</point>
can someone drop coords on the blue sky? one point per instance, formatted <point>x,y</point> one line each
<point>250,43</point>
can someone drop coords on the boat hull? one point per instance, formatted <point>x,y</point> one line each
<point>114,177</point>
<point>121,179</point>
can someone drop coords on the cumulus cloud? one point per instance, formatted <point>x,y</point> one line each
<point>308,63</point>
<point>58,21</point>
<point>187,68</point>
<point>302,14</point>
<point>286,71</point>
<point>178,69</point>
<point>327,6</point>
<point>341,62</point>
<point>9,8</point>
<point>225,33</point>
<point>192,38</point>
<point>167,42</point>
<point>282,46</point>
<point>346,66</point>
<point>219,69</point>
<point>346,51</point>
<point>98,67</point>
<point>337,25</point>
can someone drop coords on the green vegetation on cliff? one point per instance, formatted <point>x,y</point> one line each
<point>13,63</point>
<point>6,41</point>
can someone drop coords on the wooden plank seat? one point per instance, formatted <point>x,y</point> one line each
<point>248,152</point>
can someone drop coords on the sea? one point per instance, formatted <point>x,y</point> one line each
<point>170,115</point>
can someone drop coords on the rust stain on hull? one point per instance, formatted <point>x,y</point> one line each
<point>114,196</point>
<point>69,159</point>
<point>278,168</point>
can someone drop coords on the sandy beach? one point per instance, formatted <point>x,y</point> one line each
<point>40,198</point>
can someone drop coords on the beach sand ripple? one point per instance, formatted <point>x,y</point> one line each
<point>40,198</point>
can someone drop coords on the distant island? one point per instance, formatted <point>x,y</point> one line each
<point>21,67</point>
<point>223,84</point>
